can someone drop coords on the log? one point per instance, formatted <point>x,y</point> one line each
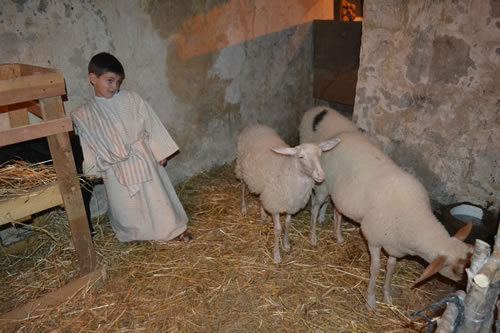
<point>482,291</point>
<point>39,306</point>
<point>497,323</point>
<point>478,259</point>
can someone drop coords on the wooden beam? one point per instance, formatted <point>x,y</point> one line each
<point>10,71</point>
<point>35,131</point>
<point>4,121</point>
<point>35,109</point>
<point>28,88</point>
<point>36,200</point>
<point>69,185</point>
<point>40,306</point>
<point>19,118</point>
<point>30,69</point>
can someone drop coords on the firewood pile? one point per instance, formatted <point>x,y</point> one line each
<point>475,309</point>
<point>347,11</point>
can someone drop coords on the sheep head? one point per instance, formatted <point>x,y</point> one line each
<point>451,267</point>
<point>308,156</point>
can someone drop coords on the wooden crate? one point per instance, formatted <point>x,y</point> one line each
<point>39,90</point>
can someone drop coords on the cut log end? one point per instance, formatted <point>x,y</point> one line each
<point>481,280</point>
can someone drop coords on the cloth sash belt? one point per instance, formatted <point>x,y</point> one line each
<point>100,129</point>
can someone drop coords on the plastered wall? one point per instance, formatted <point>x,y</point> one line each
<point>429,92</point>
<point>208,68</point>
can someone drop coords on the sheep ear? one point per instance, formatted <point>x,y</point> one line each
<point>329,145</point>
<point>284,150</point>
<point>464,232</point>
<point>434,267</point>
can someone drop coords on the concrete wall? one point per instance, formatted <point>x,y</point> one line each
<point>428,91</point>
<point>208,68</point>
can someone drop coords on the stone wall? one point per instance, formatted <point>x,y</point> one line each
<point>208,68</point>
<point>429,92</point>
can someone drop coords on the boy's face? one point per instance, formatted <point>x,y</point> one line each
<point>106,85</point>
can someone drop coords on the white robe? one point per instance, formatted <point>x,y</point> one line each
<point>151,210</point>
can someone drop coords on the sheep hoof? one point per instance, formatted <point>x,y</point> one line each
<point>387,299</point>
<point>277,257</point>
<point>314,242</point>
<point>340,240</point>
<point>286,247</point>
<point>371,303</point>
<point>244,212</point>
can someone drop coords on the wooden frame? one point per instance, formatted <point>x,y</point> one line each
<point>38,90</point>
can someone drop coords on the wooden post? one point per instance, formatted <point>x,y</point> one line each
<point>479,257</point>
<point>69,186</point>
<point>482,291</point>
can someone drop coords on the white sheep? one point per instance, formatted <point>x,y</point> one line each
<point>392,207</point>
<point>281,175</point>
<point>332,123</point>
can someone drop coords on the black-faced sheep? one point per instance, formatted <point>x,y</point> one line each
<point>281,175</point>
<point>392,207</point>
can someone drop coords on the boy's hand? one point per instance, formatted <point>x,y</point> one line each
<point>163,162</point>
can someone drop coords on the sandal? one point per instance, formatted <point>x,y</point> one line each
<point>185,237</point>
<point>136,243</point>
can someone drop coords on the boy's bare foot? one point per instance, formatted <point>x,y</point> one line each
<point>185,237</point>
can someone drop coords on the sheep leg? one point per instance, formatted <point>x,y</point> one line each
<point>389,271</point>
<point>263,214</point>
<point>243,202</point>
<point>318,199</point>
<point>277,234</point>
<point>286,243</point>
<point>314,215</point>
<point>337,223</point>
<point>322,213</point>
<point>374,271</point>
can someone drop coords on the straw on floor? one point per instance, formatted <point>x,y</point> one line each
<point>223,281</point>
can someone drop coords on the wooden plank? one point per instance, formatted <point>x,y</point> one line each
<point>36,200</point>
<point>18,118</point>
<point>35,109</point>
<point>69,185</point>
<point>28,88</point>
<point>4,121</point>
<point>10,71</point>
<point>35,131</point>
<point>43,305</point>
<point>23,105</point>
<point>30,69</point>
<point>31,106</point>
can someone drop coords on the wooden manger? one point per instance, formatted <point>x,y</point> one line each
<point>29,89</point>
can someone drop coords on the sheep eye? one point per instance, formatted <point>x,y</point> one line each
<point>301,157</point>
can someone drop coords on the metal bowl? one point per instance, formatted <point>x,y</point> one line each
<point>484,224</point>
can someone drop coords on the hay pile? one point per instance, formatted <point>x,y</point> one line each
<point>18,177</point>
<point>224,281</point>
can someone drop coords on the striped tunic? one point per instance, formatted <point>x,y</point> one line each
<point>123,140</point>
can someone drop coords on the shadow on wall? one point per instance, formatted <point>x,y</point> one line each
<point>237,21</point>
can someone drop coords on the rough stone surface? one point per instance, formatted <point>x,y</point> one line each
<point>428,92</point>
<point>208,68</point>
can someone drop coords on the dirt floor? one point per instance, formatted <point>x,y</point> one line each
<point>223,281</point>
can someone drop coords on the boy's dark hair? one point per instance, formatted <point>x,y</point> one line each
<point>104,62</point>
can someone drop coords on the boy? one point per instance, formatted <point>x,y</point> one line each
<point>124,141</point>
